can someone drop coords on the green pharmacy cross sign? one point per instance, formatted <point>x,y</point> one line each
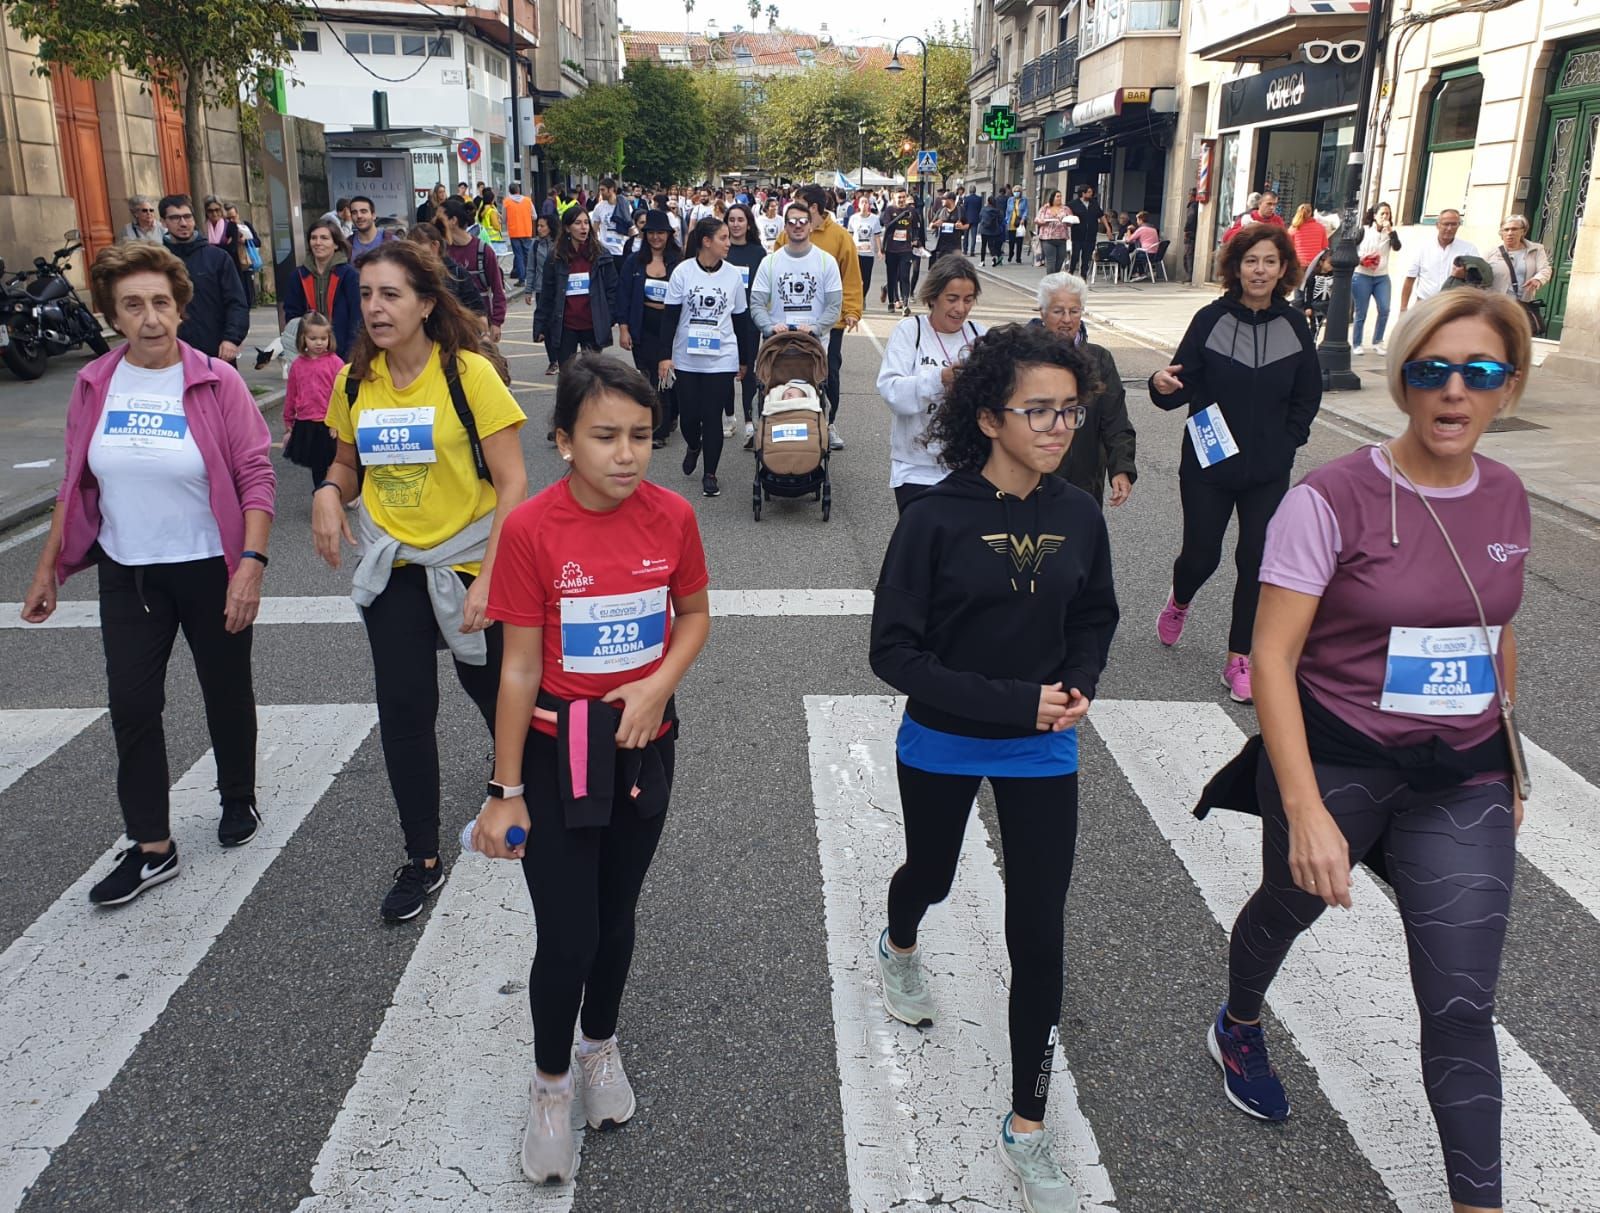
<point>999,123</point>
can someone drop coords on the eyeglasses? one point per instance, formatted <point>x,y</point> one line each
<point>798,220</point>
<point>1480,375</point>
<point>1042,418</point>
<point>1320,51</point>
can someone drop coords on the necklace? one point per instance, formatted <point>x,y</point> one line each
<point>965,344</point>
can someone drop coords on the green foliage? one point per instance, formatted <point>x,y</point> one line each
<point>667,141</point>
<point>727,112</point>
<point>587,131</point>
<point>808,122</point>
<point>899,111</point>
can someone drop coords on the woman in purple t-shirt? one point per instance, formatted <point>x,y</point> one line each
<point>1378,681</point>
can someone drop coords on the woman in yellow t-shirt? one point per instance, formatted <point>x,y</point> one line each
<point>432,503</point>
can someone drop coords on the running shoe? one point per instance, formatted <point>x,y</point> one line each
<point>1380,348</point>
<point>709,486</point>
<point>607,1094</point>
<point>1169,624</point>
<point>749,431</point>
<point>690,458</point>
<point>1236,677</point>
<point>835,439</point>
<point>551,369</point>
<point>1248,1078</point>
<point>135,872</point>
<point>883,294</point>
<point>549,1150</point>
<point>727,425</point>
<point>1045,1187</point>
<point>905,309</point>
<point>239,823</point>
<point>414,883</point>
<point>905,986</point>
<point>1356,351</point>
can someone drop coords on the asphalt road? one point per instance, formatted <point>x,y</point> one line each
<point>230,1089</point>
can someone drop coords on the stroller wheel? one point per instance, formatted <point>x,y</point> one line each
<point>755,499</point>
<point>827,499</point>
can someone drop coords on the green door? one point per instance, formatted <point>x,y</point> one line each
<point>1571,128</point>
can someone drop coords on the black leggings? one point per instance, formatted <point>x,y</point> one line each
<point>897,267</point>
<point>993,246</point>
<point>1015,251</point>
<point>835,365</point>
<point>1206,510</point>
<point>1451,855</point>
<point>651,348</point>
<point>866,275</point>
<point>1038,835</point>
<point>585,886</point>
<point>404,636</point>
<point>702,399</point>
<point>141,610</point>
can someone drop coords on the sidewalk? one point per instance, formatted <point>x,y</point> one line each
<point>33,419</point>
<point>1552,442</point>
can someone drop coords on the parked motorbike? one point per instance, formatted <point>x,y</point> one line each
<point>41,314</point>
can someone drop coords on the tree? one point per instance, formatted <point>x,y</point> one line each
<point>199,52</point>
<point>667,141</point>
<point>772,17</point>
<point>808,121</point>
<point>587,130</point>
<point>899,112</point>
<point>726,105</point>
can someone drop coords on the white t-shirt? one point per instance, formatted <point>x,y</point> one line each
<point>798,286</point>
<point>862,229</point>
<point>608,236</point>
<point>705,340</point>
<point>1431,265</point>
<point>155,496</point>
<point>771,227</point>
<point>700,211</point>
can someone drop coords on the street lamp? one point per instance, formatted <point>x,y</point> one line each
<point>861,155</point>
<point>894,65</point>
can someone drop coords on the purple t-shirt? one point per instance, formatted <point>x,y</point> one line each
<point>1331,538</point>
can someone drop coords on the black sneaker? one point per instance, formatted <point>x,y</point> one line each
<point>413,883</point>
<point>239,823</point>
<point>135,872</point>
<point>709,485</point>
<point>690,458</point>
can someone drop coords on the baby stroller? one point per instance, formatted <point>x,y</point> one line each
<point>791,440</point>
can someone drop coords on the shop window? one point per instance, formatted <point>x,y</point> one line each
<point>1452,140</point>
<point>420,45</point>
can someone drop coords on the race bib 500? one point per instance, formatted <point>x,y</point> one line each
<point>135,421</point>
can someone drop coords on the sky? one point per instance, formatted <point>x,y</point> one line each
<point>847,20</point>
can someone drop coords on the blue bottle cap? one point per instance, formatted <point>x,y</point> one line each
<point>516,836</point>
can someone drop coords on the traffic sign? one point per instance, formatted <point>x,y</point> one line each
<point>469,151</point>
<point>927,161</point>
<point>999,124</point>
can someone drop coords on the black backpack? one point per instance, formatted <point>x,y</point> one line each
<point>458,397</point>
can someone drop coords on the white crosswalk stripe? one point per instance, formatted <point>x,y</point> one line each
<point>28,737</point>
<point>1344,994</point>
<point>71,1015</point>
<point>1561,834</point>
<point>921,1111</point>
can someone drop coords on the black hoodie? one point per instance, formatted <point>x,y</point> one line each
<point>984,598</point>
<point>1260,369</point>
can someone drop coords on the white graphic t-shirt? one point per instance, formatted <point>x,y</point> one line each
<point>862,229</point>
<point>797,287</point>
<point>705,340</point>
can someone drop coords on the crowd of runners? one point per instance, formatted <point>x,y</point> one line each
<point>1371,620</point>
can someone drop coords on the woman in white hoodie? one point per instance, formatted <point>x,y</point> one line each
<point>919,363</point>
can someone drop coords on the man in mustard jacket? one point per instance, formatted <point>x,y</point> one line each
<point>837,243</point>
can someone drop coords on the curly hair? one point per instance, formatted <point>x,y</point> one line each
<point>117,261</point>
<point>986,381</point>
<point>1245,239</point>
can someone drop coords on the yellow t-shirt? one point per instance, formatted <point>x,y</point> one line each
<point>424,503</point>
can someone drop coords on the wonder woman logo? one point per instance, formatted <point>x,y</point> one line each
<point>1027,554</point>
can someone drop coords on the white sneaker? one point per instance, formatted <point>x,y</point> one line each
<point>607,1095</point>
<point>1356,351</point>
<point>835,439</point>
<point>749,429</point>
<point>549,1151</point>
<point>727,426</point>
<point>1380,348</point>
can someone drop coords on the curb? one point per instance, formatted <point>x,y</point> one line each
<point>42,502</point>
<point>1580,514</point>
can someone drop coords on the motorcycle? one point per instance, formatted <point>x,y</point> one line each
<point>41,315</point>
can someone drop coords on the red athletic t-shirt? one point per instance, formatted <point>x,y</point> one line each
<point>600,584</point>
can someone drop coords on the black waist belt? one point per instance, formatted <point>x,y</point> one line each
<point>591,772</point>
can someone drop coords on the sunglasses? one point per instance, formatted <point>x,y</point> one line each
<point>1042,419</point>
<point>1320,51</point>
<point>1480,375</point>
<point>798,220</point>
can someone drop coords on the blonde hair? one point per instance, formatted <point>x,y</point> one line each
<point>312,320</point>
<point>1419,324</point>
<point>1300,216</point>
<point>117,261</point>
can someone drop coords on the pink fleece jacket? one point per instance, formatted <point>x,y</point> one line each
<point>310,384</point>
<point>227,426</point>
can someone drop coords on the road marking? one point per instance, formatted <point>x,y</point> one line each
<point>1344,993</point>
<point>1559,835</point>
<point>80,986</point>
<point>921,1111</point>
<point>29,736</point>
<point>22,537</point>
<point>437,1110</point>
<point>337,608</point>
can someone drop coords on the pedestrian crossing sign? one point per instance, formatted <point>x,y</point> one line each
<point>927,161</point>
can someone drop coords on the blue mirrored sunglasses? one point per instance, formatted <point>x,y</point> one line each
<point>1480,375</point>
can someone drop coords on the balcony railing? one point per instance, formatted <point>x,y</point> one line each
<point>1051,72</point>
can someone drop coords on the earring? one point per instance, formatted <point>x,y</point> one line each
<point>567,455</point>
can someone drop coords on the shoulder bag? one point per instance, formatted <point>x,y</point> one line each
<point>1533,308</point>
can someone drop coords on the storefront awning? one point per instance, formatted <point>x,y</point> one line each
<point>1288,94</point>
<point>1098,144</point>
<point>1280,37</point>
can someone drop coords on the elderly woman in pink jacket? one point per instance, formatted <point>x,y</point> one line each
<point>168,490</point>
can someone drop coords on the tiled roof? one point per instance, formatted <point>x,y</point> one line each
<point>761,50</point>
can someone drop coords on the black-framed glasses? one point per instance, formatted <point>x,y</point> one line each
<point>1042,418</point>
<point>1480,375</point>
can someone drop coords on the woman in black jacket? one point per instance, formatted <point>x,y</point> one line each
<point>1247,370</point>
<point>746,251</point>
<point>642,311</point>
<point>578,297</point>
<point>994,613</point>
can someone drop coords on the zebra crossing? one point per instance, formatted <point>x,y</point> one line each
<point>433,1116</point>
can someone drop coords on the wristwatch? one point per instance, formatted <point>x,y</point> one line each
<point>505,791</point>
<point>254,555</point>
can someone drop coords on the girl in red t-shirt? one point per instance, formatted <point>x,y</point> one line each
<point>601,587</point>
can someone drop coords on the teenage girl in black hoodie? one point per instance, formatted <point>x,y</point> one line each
<point>994,614</point>
<point>1248,361</point>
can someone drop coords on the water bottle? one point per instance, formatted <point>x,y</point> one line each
<point>515,837</point>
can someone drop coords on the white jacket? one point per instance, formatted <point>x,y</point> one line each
<point>910,382</point>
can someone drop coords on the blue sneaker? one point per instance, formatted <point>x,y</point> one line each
<point>1248,1079</point>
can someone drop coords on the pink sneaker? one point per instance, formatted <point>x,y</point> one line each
<point>1236,677</point>
<point>1169,624</point>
